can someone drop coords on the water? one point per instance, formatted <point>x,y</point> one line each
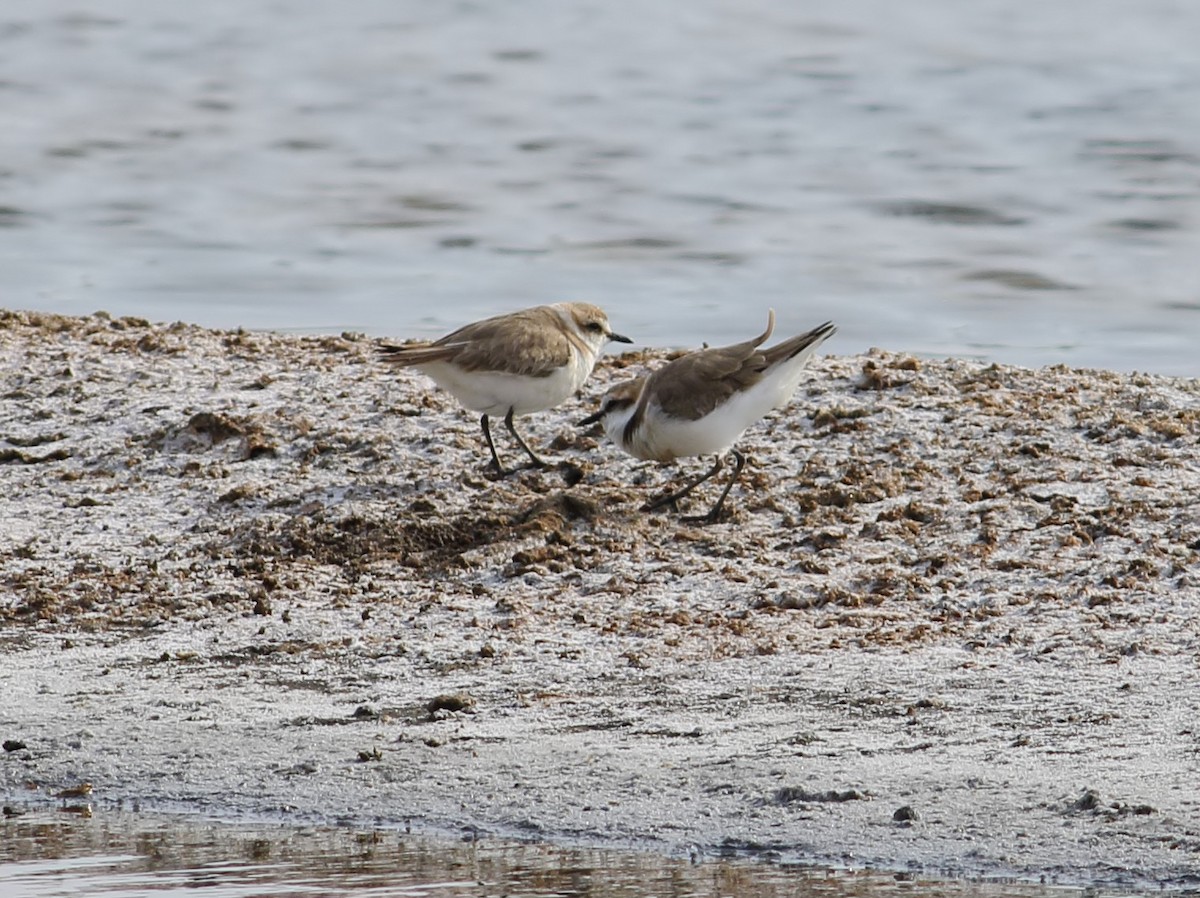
<point>993,179</point>
<point>55,855</point>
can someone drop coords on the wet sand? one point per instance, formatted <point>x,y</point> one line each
<point>951,625</point>
<point>140,855</point>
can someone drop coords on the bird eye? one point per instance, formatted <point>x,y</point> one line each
<point>595,327</point>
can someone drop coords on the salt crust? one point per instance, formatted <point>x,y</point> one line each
<point>237,569</point>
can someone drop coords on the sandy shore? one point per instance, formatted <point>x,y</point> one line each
<point>952,624</point>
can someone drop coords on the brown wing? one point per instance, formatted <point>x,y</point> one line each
<point>693,385</point>
<point>532,342</point>
<point>795,345</point>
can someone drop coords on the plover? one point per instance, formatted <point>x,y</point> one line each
<point>513,364</point>
<point>702,402</point>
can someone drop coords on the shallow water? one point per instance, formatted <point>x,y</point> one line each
<point>49,854</point>
<point>1017,183</point>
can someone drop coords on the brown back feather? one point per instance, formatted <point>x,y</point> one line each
<point>693,385</point>
<point>531,342</point>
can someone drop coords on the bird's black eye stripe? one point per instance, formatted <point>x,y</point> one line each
<point>595,327</point>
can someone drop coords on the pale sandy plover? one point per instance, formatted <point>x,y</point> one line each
<point>702,402</point>
<point>513,364</point>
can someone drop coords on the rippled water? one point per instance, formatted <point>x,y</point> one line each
<point>48,855</point>
<point>1013,181</point>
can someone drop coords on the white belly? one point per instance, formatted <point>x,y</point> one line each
<point>495,392</point>
<point>663,438</point>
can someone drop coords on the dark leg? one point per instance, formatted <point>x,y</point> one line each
<point>487,435</point>
<point>672,498</point>
<point>508,422</point>
<point>739,462</point>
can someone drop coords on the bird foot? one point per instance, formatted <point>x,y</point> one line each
<point>669,501</point>
<point>713,517</point>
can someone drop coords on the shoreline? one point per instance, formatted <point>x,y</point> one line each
<point>240,569</point>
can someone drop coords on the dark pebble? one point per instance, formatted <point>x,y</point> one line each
<point>452,702</point>
<point>789,794</point>
<point>1088,801</point>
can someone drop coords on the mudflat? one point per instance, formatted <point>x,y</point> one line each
<point>950,623</point>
